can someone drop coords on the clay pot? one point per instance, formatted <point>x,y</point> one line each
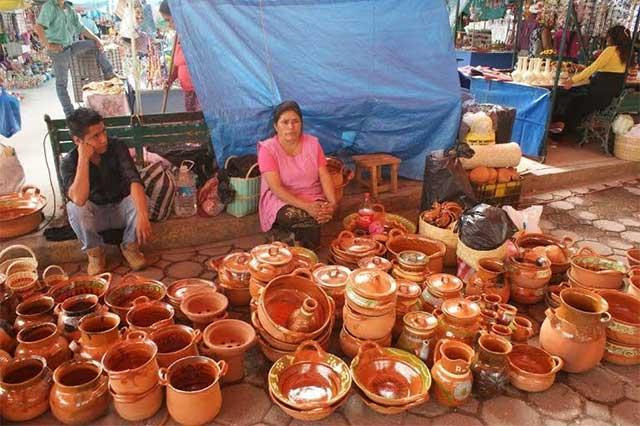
<point>401,274</point>
<point>491,301</point>
<point>284,346</point>
<point>315,414</point>
<point>408,300</point>
<point>84,284</point>
<point>634,286</point>
<point>533,240</point>
<point>138,406</point>
<point>350,344</point>
<point>333,280</point>
<point>229,340</point>
<point>120,299</point>
<point>7,337</point>
<point>175,342</point>
<point>8,303</point>
<point>131,364</point>
<point>624,326</point>
<point>270,260</point>
<point>368,327</point>
<point>492,279</point>
<point>533,369</point>
<point>491,370</point>
<point>522,329</point>
<point>527,296</point>
<point>98,333</point>
<point>34,310</point>
<point>488,318</point>
<point>373,284</point>
<point>204,306</point>
<point>435,250</point>
<point>233,269</point>
<point>237,296</point>
<point>389,410</point>
<point>73,309</point>
<point>438,288</point>
<point>597,271</point>
<point>193,389</point>
<point>4,359</point>
<point>305,319</point>
<point>506,313</point>
<point>576,331</point>
<point>418,335</point>
<point>25,384</point>
<point>147,315</point>
<point>501,331</point>
<point>621,353</point>
<point>54,275</point>
<point>451,372</point>
<point>177,290</point>
<point>375,262</point>
<point>80,392</point>
<point>633,257</point>
<point>460,320</point>
<point>43,340</point>
<point>528,270</point>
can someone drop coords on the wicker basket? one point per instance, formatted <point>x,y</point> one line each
<point>54,275</point>
<point>247,193</point>
<point>19,279</point>
<point>447,236</point>
<point>627,148</point>
<point>471,256</point>
<point>27,262</point>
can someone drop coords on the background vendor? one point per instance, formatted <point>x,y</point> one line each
<point>297,194</point>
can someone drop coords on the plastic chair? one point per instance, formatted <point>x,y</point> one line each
<point>597,125</point>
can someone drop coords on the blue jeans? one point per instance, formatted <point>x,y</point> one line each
<point>62,64</point>
<point>90,219</point>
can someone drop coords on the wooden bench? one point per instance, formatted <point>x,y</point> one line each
<point>137,132</point>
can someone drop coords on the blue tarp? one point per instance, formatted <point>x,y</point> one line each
<point>370,75</point>
<point>532,109</point>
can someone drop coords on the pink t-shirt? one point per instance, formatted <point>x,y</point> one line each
<point>298,174</point>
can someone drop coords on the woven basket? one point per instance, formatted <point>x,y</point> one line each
<point>54,275</point>
<point>627,148</point>
<point>447,236</point>
<point>27,262</point>
<point>247,193</point>
<point>471,256</point>
<point>18,279</point>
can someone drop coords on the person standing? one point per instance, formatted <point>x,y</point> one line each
<point>58,26</point>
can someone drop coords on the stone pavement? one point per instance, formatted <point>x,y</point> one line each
<point>605,217</point>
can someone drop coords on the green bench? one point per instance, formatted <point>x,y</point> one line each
<point>137,132</point>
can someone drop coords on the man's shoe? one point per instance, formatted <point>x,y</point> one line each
<point>133,255</point>
<point>97,261</point>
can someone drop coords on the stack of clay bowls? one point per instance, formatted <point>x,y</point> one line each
<point>594,272</point>
<point>310,384</point>
<point>623,331</point>
<point>233,277</point>
<point>290,310</point>
<point>177,290</point>
<point>528,274</point>
<point>408,301</point>
<point>411,265</point>
<point>369,312</point>
<point>267,262</point>
<point>348,249</point>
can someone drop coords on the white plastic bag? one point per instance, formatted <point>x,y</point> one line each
<point>622,124</point>
<point>525,220</point>
<point>11,171</point>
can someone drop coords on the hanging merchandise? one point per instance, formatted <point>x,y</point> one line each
<point>10,121</point>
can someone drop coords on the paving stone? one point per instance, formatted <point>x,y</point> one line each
<point>514,393</point>
<point>547,225</point>
<point>632,391</point>
<point>216,251</point>
<point>579,201</point>
<point>584,215</point>
<point>617,243</point>
<point>627,221</point>
<point>429,409</point>
<point>561,205</point>
<point>413,420</point>
<point>508,411</point>
<point>598,385</point>
<point>627,413</point>
<point>559,402</point>
<point>235,409</point>
<point>357,413</point>
<point>547,196</point>
<point>561,233</point>
<point>162,264</point>
<point>609,225</point>
<point>455,419</point>
<point>597,187</point>
<point>152,273</point>
<point>633,190</point>
<point>336,419</point>
<point>553,422</point>
<point>122,270</point>
<point>471,405</point>
<point>563,219</point>
<point>625,373</point>
<point>208,275</point>
<point>597,411</point>
<point>563,193</point>
<point>276,417</point>
<point>186,269</point>
<point>582,190</point>
<point>591,422</point>
<point>178,257</point>
<point>632,236</point>
<point>600,248</point>
<point>588,232</point>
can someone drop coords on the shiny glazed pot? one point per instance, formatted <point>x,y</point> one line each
<point>98,333</point>
<point>368,327</point>
<point>532,369</point>
<point>440,287</point>
<point>418,335</point>
<point>34,310</point>
<point>24,389</point>
<point>491,370</point>
<point>131,364</point>
<point>528,271</point>
<point>71,311</point>
<point>460,320</point>
<point>43,340</point>
<point>175,342</point>
<point>451,372</point>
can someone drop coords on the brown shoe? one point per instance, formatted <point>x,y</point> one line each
<point>133,255</point>
<point>97,261</point>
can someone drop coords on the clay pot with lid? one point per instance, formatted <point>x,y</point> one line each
<point>333,280</point>
<point>418,335</point>
<point>438,288</point>
<point>204,306</point>
<point>624,326</point>
<point>34,310</point>
<point>375,262</point>
<point>193,389</point>
<point>270,260</point>
<point>532,240</point>
<point>80,392</point>
<point>73,309</point>
<point>233,269</point>
<point>371,288</point>
<point>491,369</point>
<point>25,384</point>
<point>460,320</point>
<point>532,369</point>
<point>132,365</point>
<point>576,331</point>
<point>98,332</point>
<point>451,372</point>
<point>147,315</point>
<point>408,300</point>
<point>368,327</point>
<point>413,261</point>
<point>175,342</point>
<point>43,340</point>
<point>229,340</point>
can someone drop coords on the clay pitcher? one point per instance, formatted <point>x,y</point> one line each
<point>576,330</point>
<point>24,389</point>
<point>80,392</point>
<point>44,340</point>
<point>491,370</point>
<point>451,372</point>
<point>98,332</point>
<point>34,310</point>
<point>71,311</point>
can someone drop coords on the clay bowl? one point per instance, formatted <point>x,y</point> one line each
<point>177,290</point>
<point>621,353</point>
<point>309,379</point>
<point>533,369</point>
<point>204,306</point>
<point>598,271</point>
<point>633,257</point>
<point>624,326</point>
<point>434,249</point>
<point>389,376</point>
<point>389,410</point>
<point>307,415</point>
<point>228,338</point>
<point>85,284</point>
<point>573,282</point>
<point>350,344</point>
<point>120,299</point>
<point>283,346</point>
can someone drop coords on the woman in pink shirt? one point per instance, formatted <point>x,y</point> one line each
<point>297,193</point>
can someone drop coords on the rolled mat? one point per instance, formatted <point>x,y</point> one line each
<point>499,155</point>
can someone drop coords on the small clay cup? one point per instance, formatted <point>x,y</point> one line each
<point>522,329</point>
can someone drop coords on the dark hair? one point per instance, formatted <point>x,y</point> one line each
<point>81,119</point>
<point>284,107</point>
<point>164,8</point>
<point>621,39</point>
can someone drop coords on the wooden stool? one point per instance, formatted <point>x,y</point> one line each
<point>373,163</point>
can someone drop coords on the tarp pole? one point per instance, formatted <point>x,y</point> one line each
<point>517,19</point>
<point>634,39</point>
<point>134,61</point>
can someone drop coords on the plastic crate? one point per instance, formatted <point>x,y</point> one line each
<point>499,194</point>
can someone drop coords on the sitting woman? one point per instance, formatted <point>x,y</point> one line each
<point>608,72</point>
<point>297,194</point>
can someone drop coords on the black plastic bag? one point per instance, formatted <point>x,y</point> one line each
<point>226,193</point>
<point>446,180</point>
<point>240,166</point>
<point>204,163</point>
<point>485,227</point>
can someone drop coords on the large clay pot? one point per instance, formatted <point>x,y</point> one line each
<point>98,333</point>
<point>73,309</point>
<point>24,389</point>
<point>529,270</point>
<point>44,340</point>
<point>131,364</point>
<point>175,342</point>
<point>491,370</point>
<point>271,260</point>
<point>438,288</point>
<point>532,240</point>
<point>451,372</point>
<point>80,392</point>
<point>576,331</point>
<point>34,310</point>
<point>532,369</point>
<point>460,320</point>
<point>368,327</point>
<point>140,406</point>
<point>193,389</point>
<point>229,340</point>
<point>147,315</point>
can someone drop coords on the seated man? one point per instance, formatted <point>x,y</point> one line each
<point>105,191</point>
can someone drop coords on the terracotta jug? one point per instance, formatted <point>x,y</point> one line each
<point>451,372</point>
<point>44,340</point>
<point>305,318</point>
<point>576,330</point>
<point>80,392</point>
<point>34,310</point>
<point>98,332</point>
<point>491,370</point>
<point>24,389</point>
<point>71,311</point>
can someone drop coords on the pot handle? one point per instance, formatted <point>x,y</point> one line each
<point>136,335</point>
<point>436,350</point>
<point>378,208</point>
<point>318,266</point>
<point>558,364</point>
<point>302,272</point>
<point>162,376</point>
<point>131,278</point>
<point>107,277</point>
<point>345,235</point>
<point>369,346</point>
<point>395,233</point>
<point>223,366</point>
<point>140,300</point>
<point>382,249</point>
<point>214,264</point>
<point>30,190</point>
<point>50,268</point>
<point>605,317</point>
<point>74,347</point>
<point>197,336</point>
<point>586,251</point>
<point>309,351</point>
<point>57,309</point>
<point>567,241</point>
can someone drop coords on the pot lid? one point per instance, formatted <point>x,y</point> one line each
<point>237,262</point>
<point>332,275</point>
<point>461,309</point>
<point>413,258</point>
<point>375,262</point>
<point>421,321</point>
<point>444,283</point>
<point>408,289</point>
<point>274,254</point>
<point>358,245</point>
<point>373,283</point>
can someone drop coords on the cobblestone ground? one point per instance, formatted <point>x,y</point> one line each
<point>605,217</point>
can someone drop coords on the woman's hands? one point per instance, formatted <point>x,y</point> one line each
<point>321,211</point>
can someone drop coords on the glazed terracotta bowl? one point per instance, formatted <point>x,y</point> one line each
<point>621,353</point>
<point>624,326</point>
<point>533,369</point>
<point>633,257</point>
<point>390,376</point>
<point>315,414</point>
<point>177,290</point>
<point>389,410</point>
<point>147,315</point>
<point>597,271</point>
<point>120,299</point>
<point>274,354</point>
<point>283,346</point>
<point>350,344</point>
<point>435,250</point>
<point>86,284</point>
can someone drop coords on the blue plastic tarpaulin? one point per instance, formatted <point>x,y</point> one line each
<point>370,75</point>
<point>532,110</point>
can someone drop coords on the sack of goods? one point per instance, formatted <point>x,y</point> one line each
<point>481,131</point>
